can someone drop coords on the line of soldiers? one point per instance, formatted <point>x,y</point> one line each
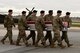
<point>57,24</point>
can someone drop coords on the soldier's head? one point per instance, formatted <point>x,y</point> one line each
<point>68,14</point>
<point>24,13</point>
<point>34,12</point>
<point>50,12</point>
<point>42,12</point>
<point>10,11</point>
<point>59,12</point>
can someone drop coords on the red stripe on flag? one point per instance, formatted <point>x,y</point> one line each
<point>30,22</point>
<point>48,22</point>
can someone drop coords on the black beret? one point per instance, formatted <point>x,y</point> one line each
<point>50,11</point>
<point>68,13</point>
<point>35,11</point>
<point>42,11</point>
<point>10,10</point>
<point>59,11</point>
<point>23,12</point>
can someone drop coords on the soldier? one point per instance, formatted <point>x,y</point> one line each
<point>32,34</point>
<point>68,22</point>
<point>21,27</point>
<point>48,17</point>
<point>8,24</point>
<point>39,27</point>
<point>56,28</point>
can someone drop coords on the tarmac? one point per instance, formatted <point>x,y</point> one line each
<point>73,33</point>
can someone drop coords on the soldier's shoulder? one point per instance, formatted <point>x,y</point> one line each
<point>6,15</point>
<point>30,16</point>
<point>46,15</point>
<point>62,17</point>
<point>55,16</point>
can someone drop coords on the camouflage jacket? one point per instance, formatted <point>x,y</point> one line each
<point>31,18</point>
<point>22,22</point>
<point>48,17</point>
<point>57,22</point>
<point>67,19</point>
<point>40,23</point>
<point>8,21</point>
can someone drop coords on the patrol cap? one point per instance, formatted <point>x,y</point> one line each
<point>42,11</point>
<point>68,13</point>
<point>50,11</point>
<point>23,12</point>
<point>10,10</point>
<point>35,11</point>
<point>59,11</point>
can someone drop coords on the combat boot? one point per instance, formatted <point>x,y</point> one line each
<point>36,44</point>
<point>2,41</point>
<point>26,44</point>
<point>44,44</point>
<point>70,45</point>
<point>17,44</point>
<point>52,45</point>
<point>61,45</point>
<point>11,42</point>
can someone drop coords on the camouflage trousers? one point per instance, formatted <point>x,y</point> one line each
<point>57,37</point>
<point>9,35</point>
<point>40,35</point>
<point>21,35</point>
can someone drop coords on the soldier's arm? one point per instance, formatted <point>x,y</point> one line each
<point>53,24</point>
<point>70,22</point>
<point>53,21</point>
<point>60,21</point>
<point>24,22</point>
<point>44,18</point>
<point>13,22</point>
<point>42,21</point>
<point>28,18</point>
<point>5,21</point>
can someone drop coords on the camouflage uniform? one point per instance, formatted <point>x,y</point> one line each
<point>8,24</point>
<point>64,33</point>
<point>32,33</point>
<point>39,27</point>
<point>48,34</point>
<point>21,27</point>
<point>56,29</point>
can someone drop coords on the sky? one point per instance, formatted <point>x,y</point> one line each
<point>72,6</point>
